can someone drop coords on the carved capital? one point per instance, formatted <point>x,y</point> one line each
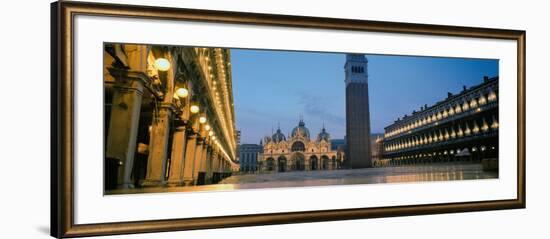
<point>191,136</point>
<point>200,140</point>
<point>180,128</point>
<point>179,122</point>
<point>121,74</point>
<point>167,106</point>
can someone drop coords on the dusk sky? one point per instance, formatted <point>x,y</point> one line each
<point>276,87</point>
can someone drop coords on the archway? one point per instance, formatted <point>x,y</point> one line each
<point>324,162</point>
<point>281,164</point>
<point>270,164</point>
<point>298,162</point>
<point>298,146</point>
<point>313,162</point>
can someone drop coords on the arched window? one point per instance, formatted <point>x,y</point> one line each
<point>298,146</point>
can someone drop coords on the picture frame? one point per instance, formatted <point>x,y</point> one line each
<point>63,118</point>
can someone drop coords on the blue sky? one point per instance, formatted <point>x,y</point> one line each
<point>276,87</point>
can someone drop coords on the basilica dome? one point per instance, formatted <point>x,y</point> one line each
<point>278,136</point>
<point>324,135</point>
<point>300,130</point>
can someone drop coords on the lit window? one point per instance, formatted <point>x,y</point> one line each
<point>492,96</point>
<point>482,100</point>
<point>473,103</point>
<point>465,106</point>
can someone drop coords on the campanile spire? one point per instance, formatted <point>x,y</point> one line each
<point>357,112</point>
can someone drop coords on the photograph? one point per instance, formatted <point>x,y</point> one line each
<point>203,118</point>
<point>168,118</point>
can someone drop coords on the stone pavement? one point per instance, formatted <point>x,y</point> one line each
<point>404,174</point>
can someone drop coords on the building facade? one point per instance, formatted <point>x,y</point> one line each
<point>376,146</point>
<point>357,112</point>
<point>248,157</point>
<point>169,117</point>
<point>463,126</point>
<point>299,151</point>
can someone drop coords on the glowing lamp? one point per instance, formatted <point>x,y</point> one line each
<point>194,109</point>
<point>182,92</point>
<point>214,137</point>
<point>162,64</point>
<point>207,127</point>
<point>211,133</point>
<point>202,119</point>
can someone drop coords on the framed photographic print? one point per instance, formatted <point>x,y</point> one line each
<point>173,119</point>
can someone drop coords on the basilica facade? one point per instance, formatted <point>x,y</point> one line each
<point>299,151</point>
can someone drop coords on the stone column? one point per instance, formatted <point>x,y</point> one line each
<point>208,165</point>
<point>289,165</point>
<point>198,159</point>
<point>221,170</point>
<point>189,159</point>
<point>224,169</point>
<point>215,167</point>
<point>124,122</point>
<point>203,164</point>
<point>158,147</point>
<point>177,158</point>
<point>211,165</point>
<point>220,167</point>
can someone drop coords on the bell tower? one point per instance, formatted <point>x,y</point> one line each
<point>358,153</point>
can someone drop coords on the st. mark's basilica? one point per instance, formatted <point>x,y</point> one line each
<point>299,151</point>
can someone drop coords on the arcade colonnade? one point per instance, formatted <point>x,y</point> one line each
<point>169,117</point>
<point>462,127</point>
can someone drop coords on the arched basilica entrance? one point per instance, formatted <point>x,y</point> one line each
<point>298,162</point>
<point>313,162</point>
<point>270,164</point>
<point>281,164</point>
<point>324,162</point>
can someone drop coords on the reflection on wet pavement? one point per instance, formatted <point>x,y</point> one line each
<point>406,174</point>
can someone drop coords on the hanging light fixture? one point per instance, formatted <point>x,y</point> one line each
<point>182,92</point>
<point>194,109</point>
<point>207,127</point>
<point>202,119</point>
<point>162,64</point>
